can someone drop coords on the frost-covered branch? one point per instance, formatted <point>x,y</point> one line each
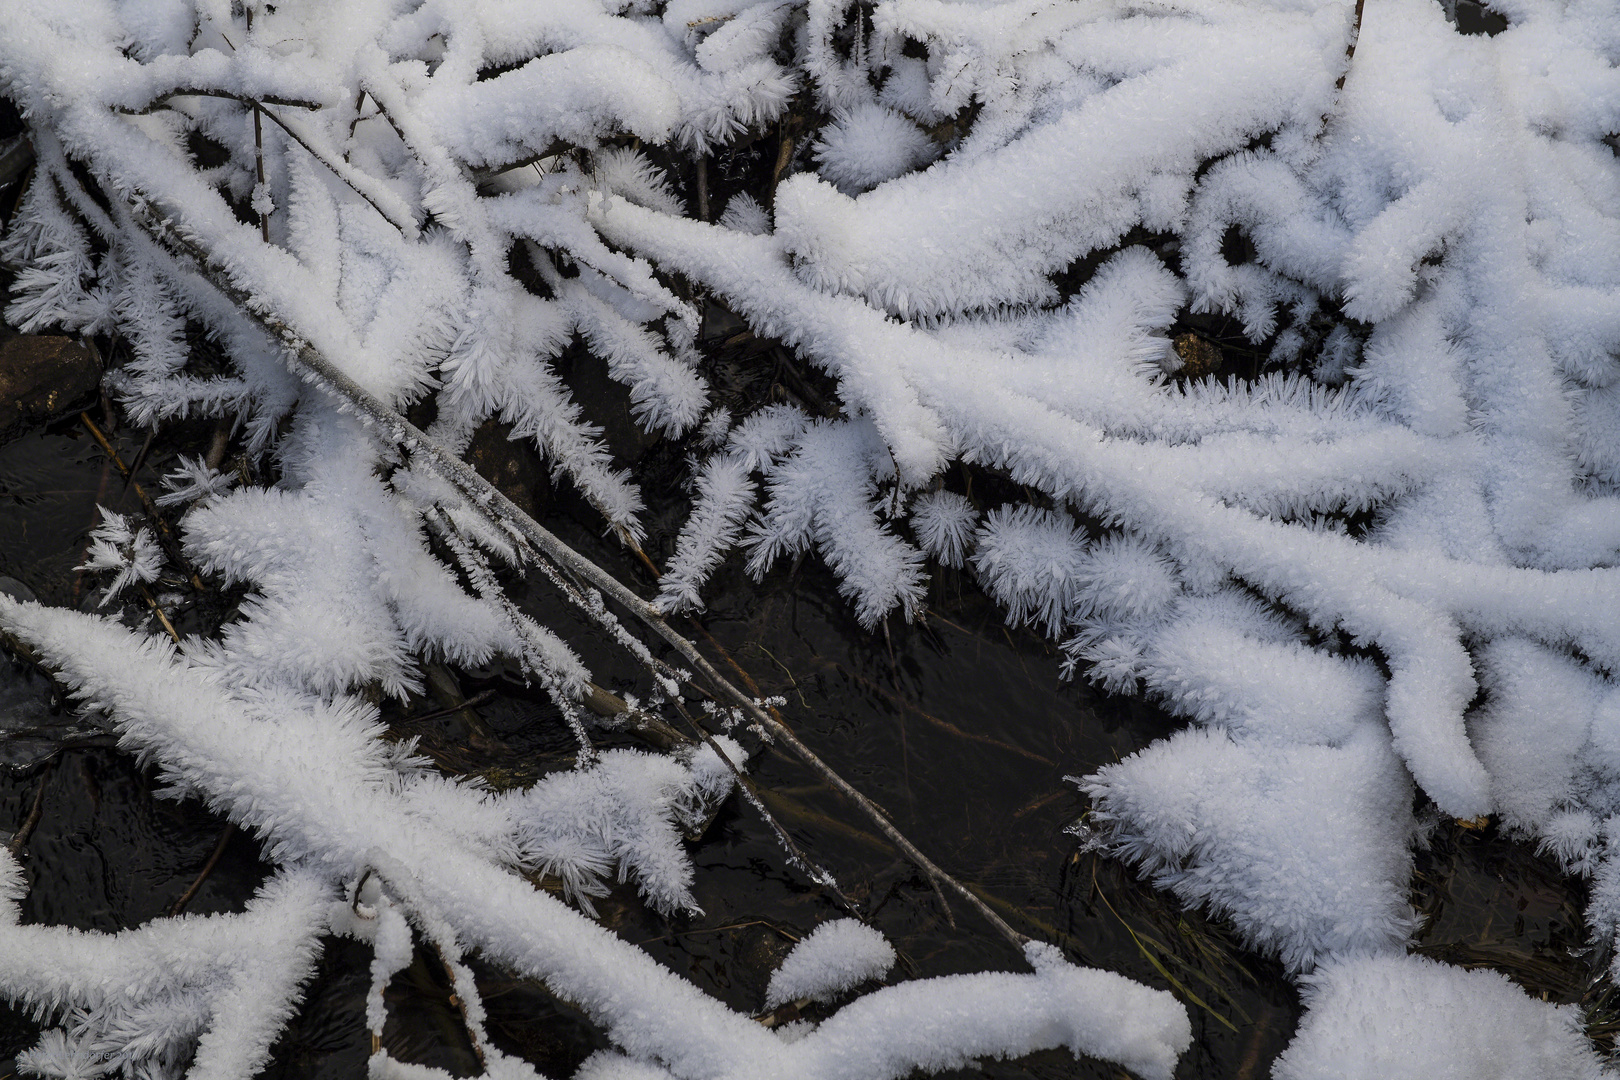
<point>1382,561</point>
<point>311,780</point>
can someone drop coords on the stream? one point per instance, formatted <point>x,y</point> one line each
<point>959,727</point>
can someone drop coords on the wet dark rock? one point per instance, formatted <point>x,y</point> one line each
<point>33,728</point>
<point>1199,356</point>
<point>43,376</point>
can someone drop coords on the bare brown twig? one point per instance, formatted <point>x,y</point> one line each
<point>473,1033</point>
<point>1350,49</point>
<point>170,544</point>
<point>258,168</point>
<point>35,812</point>
<point>161,100</point>
<point>151,602</point>
<point>202,875</point>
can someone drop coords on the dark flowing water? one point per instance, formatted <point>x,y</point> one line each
<point>958,727</point>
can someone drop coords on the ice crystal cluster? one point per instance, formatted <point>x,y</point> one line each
<point>1375,572</point>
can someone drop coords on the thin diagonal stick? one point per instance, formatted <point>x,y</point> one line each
<point>745,784</point>
<point>388,205</point>
<point>506,517</point>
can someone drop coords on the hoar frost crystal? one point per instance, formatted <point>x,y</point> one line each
<point>1383,567</point>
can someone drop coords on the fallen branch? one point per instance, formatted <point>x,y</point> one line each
<point>533,539</point>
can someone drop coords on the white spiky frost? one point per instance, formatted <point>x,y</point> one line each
<point>133,553</point>
<point>835,957</point>
<point>868,145</point>
<point>944,523</point>
<point>1431,1020</point>
<point>1408,509</point>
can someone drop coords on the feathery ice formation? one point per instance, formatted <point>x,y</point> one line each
<point>1382,567</point>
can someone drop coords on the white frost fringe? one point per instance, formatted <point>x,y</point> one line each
<point>1320,569</point>
<point>312,782</point>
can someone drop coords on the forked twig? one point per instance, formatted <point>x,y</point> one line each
<point>596,699</point>
<point>389,206</point>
